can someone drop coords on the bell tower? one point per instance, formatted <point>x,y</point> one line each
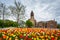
<point>32,15</point>
<point>32,19</point>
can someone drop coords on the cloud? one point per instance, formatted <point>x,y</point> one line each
<point>44,10</point>
<point>58,19</point>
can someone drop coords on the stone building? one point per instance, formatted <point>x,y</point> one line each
<point>43,24</point>
<point>52,24</point>
<point>32,19</point>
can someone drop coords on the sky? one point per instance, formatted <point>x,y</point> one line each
<point>44,10</point>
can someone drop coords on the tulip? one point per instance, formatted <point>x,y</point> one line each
<point>21,39</point>
<point>4,36</point>
<point>52,38</point>
<point>21,36</point>
<point>38,38</point>
<point>58,34</point>
<point>34,38</point>
<point>14,35</point>
<point>9,39</point>
<point>16,39</point>
<point>24,34</point>
<point>41,36</point>
<point>0,38</point>
<point>29,38</point>
<point>48,32</point>
<point>47,39</point>
<point>30,34</point>
<point>11,34</point>
<point>46,36</point>
<point>56,38</point>
<point>43,39</point>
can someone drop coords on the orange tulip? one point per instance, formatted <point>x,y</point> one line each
<point>4,36</point>
<point>41,36</point>
<point>48,32</point>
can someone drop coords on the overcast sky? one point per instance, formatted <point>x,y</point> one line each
<point>44,10</point>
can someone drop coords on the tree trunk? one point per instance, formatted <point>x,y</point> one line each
<point>18,18</point>
<point>3,15</point>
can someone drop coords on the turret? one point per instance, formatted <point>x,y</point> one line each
<point>32,15</point>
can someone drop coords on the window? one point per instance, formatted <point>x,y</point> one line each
<point>51,25</point>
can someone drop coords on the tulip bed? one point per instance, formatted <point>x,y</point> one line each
<point>29,34</point>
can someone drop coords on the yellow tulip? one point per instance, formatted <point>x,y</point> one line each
<point>34,38</point>
<point>14,35</point>
<point>9,38</point>
<point>46,36</point>
<point>16,39</point>
<point>11,34</point>
<point>43,39</point>
<point>41,36</point>
<point>38,39</point>
<point>47,39</point>
<point>33,34</point>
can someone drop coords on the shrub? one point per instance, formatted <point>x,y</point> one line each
<point>58,26</point>
<point>8,23</point>
<point>29,23</point>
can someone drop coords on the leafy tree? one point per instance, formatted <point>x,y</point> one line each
<point>29,23</point>
<point>18,10</point>
<point>8,23</point>
<point>58,26</point>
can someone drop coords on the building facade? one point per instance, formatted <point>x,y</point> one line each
<point>42,24</point>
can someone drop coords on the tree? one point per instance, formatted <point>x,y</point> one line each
<point>18,10</point>
<point>22,23</point>
<point>58,26</point>
<point>8,23</point>
<point>29,23</point>
<point>3,11</point>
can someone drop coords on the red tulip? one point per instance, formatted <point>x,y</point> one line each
<point>0,38</point>
<point>26,38</point>
<point>58,34</point>
<point>29,38</point>
<point>21,36</point>
<point>55,32</point>
<point>34,36</point>
<point>52,38</point>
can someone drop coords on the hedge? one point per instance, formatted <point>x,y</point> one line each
<point>8,23</point>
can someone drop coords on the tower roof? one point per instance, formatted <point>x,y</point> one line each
<point>32,14</point>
